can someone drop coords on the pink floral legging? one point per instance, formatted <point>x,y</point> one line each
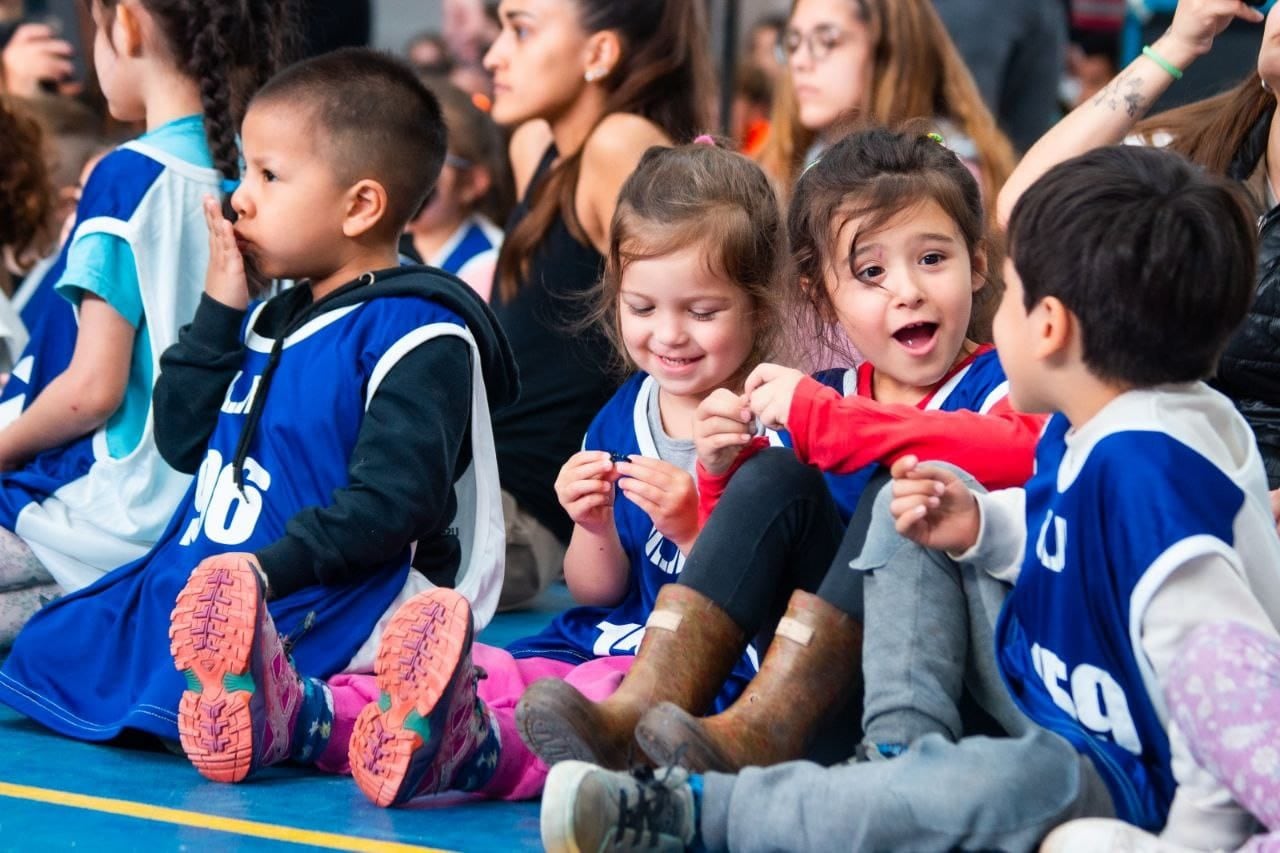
<point>1224,693</point>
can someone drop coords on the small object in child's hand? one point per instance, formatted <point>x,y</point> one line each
<point>756,427</point>
<point>615,457</point>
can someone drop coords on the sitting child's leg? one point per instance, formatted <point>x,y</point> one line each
<point>429,731</point>
<point>245,706</point>
<point>25,586</point>
<point>776,529</point>
<point>1224,694</point>
<point>977,794</point>
<point>916,628</point>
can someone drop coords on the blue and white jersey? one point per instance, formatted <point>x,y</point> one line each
<point>1113,511</point>
<point>81,511</point>
<point>976,385</point>
<point>581,634</point>
<point>298,455</point>
<point>476,239</point>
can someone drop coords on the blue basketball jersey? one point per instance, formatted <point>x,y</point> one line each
<point>976,386</point>
<point>81,510</point>
<point>1107,522</point>
<point>581,634</point>
<point>298,455</point>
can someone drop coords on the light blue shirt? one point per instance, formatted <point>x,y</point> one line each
<point>103,265</point>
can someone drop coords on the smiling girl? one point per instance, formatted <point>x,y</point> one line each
<point>589,85</point>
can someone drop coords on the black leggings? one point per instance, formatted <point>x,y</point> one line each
<point>776,529</point>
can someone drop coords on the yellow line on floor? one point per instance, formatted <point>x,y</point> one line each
<point>142,811</point>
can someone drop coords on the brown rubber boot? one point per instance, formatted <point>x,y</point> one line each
<point>808,672</point>
<point>689,648</point>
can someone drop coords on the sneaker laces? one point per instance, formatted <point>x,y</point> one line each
<point>652,803</point>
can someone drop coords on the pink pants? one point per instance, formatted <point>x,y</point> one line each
<point>1224,692</point>
<point>520,773</point>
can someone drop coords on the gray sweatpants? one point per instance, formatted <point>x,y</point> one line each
<point>929,632</point>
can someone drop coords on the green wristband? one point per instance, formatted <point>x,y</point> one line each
<point>1174,71</point>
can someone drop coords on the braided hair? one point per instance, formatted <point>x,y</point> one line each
<point>230,48</point>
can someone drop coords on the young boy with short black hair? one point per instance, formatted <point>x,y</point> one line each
<point>1148,515</point>
<point>338,431</point>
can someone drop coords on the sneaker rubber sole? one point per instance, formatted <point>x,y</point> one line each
<point>559,803</point>
<point>418,659</point>
<point>211,639</point>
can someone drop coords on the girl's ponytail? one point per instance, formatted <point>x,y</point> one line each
<point>211,25</point>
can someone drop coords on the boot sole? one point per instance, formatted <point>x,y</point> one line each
<point>419,655</point>
<point>545,725</point>
<point>559,799</point>
<point>671,736</point>
<point>211,639</point>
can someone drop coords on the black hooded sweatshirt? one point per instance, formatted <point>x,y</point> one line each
<point>414,440</point>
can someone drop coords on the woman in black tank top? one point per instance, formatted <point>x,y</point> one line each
<point>590,85</point>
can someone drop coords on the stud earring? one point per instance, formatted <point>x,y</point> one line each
<point>592,75</point>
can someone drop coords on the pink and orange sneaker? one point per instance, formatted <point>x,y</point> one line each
<point>242,698</point>
<point>429,731</point>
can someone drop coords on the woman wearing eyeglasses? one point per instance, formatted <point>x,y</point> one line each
<point>880,62</point>
<point>456,230</point>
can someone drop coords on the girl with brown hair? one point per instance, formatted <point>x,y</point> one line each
<point>589,85</point>
<point>882,62</point>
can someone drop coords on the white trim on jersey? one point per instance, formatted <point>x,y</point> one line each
<point>1144,591</point>
<point>997,394</point>
<point>258,343</point>
<point>479,522</point>
<point>174,162</point>
<point>940,396</point>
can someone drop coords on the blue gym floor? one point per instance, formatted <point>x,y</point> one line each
<point>58,794</point>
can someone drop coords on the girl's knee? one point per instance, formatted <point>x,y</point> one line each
<point>775,471</point>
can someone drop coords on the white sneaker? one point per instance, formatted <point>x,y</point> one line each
<point>1105,835</point>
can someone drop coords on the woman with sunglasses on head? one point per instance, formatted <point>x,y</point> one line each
<point>876,62</point>
<point>589,85</point>
<point>455,229</point>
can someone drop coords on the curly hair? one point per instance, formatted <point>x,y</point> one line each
<point>26,195</point>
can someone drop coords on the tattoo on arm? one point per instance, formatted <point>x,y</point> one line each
<point>1124,93</point>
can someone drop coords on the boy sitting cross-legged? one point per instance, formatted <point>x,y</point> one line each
<point>1147,516</point>
<point>330,428</point>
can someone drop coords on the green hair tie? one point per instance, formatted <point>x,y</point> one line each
<point>937,137</point>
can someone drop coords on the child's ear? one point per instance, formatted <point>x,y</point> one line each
<point>980,269</point>
<point>478,183</point>
<point>129,22</point>
<point>366,206</point>
<point>1053,329</point>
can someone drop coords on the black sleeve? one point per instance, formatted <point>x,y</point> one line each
<point>401,475</point>
<point>193,380</point>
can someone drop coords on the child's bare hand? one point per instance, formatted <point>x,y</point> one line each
<point>721,428</point>
<point>770,388</point>
<point>667,494</point>
<point>1275,508</point>
<point>933,507</point>
<point>225,281</point>
<point>1196,23</point>
<point>585,490</point>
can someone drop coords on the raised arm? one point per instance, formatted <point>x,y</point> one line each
<point>1108,117</point>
